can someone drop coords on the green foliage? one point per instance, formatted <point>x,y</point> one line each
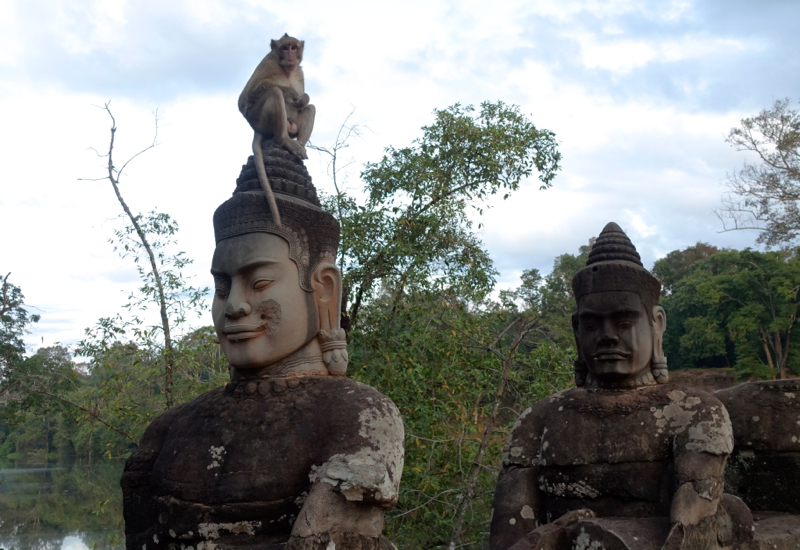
<point>414,231</point>
<point>765,196</point>
<point>737,307</point>
<point>416,278</point>
<point>676,265</point>
<point>181,299</point>
<point>441,362</point>
<point>14,321</point>
<point>551,297</point>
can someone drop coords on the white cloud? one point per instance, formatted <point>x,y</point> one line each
<point>638,146</point>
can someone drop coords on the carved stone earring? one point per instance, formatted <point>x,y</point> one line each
<point>659,368</point>
<point>581,372</point>
<point>334,350</point>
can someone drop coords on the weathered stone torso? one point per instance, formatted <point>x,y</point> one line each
<point>236,464</point>
<point>765,465</point>
<point>614,451</point>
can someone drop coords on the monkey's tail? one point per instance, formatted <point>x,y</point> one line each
<point>262,177</point>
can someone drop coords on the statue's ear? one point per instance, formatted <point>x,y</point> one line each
<point>659,326</point>
<point>327,284</point>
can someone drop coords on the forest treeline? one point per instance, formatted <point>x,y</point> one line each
<point>426,325</point>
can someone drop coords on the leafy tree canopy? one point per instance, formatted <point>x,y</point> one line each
<point>679,263</point>
<point>414,230</point>
<point>738,306</point>
<point>764,195</point>
<point>14,321</point>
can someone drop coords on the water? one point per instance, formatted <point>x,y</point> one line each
<point>52,507</point>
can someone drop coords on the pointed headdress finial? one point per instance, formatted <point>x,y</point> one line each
<point>614,264</point>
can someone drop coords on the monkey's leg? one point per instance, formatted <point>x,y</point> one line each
<point>271,120</point>
<point>305,123</point>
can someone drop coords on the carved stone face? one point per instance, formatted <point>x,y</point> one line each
<point>614,334</point>
<point>260,313</point>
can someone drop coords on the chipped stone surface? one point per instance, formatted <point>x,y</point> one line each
<point>765,464</point>
<point>527,512</point>
<point>216,455</point>
<point>620,453</point>
<point>374,469</point>
<point>196,465</point>
<point>584,542</point>
<point>214,530</point>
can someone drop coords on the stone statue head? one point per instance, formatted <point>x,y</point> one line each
<point>619,325</point>
<point>277,297</point>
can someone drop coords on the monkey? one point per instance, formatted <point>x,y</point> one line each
<point>276,106</point>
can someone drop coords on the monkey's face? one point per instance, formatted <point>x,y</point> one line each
<point>289,51</point>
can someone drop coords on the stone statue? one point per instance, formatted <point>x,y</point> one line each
<point>765,463</point>
<point>291,453</point>
<point>623,460</point>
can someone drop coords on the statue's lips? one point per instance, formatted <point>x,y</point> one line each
<point>235,333</point>
<point>611,355</point>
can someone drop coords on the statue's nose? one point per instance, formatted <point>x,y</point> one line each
<point>608,334</point>
<point>237,311</point>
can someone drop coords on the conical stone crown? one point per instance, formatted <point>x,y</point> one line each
<point>613,245</point>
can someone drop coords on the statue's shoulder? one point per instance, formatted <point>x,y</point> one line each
<point>347,394</point>
<point>152,440</point>
<point>698,420</point>
<point>366,448</point>
<point>522,446</point>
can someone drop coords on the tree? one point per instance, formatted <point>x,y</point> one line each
<point>414,231</point>
<point>460,373</point>
<point>148,240</point>
<point>741,304</point>
<point>421,330</point>
<point>14,321</point>
<point>551,296</point>
<point>765,196</point>
<point>676,265</point>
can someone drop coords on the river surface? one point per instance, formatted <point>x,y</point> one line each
<point>58,507</point>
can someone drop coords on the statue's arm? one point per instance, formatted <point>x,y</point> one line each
<point>359,481</point>
<point>138,507</point>
<point>328,517</point>
<point>700,453</point>
<point>515,506</point>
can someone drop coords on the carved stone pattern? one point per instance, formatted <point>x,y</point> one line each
<point>286,174</point>
<point>275,385</point>
<point>613,403</point>
<point>777,402</point>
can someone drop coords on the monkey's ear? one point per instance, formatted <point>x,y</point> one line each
<point>273,44</point>
<point>302,44</point>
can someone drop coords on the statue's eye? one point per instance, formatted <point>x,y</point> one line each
<point>262,284</point>
<point>222,286</point>
<point>626,323</point>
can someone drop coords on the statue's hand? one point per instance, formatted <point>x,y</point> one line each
<point>574,516</point>
<point>675,538</point>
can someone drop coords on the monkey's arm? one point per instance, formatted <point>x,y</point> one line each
<point>327,517</point>
<point>301,101</point>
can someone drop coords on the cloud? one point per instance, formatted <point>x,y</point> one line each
<point>640,95</point>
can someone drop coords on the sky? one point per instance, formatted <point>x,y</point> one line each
<point>639,94</point>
